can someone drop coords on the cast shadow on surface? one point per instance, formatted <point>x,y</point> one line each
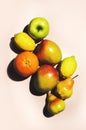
<point>32,86</point>
<point>12,74</point>
<point>45,109</point>
<point>14,47</point>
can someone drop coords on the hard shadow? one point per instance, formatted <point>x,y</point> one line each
<point>60,75</point>
<point>45,109</point>
<point>33,86</point>
<point>13,74</point>
<point>26,29</point>
<point>14,47</point>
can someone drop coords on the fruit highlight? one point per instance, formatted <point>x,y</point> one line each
<point>43,61</point>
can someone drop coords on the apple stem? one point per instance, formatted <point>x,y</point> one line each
<point>75,76</point>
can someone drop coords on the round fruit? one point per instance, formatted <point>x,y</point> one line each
<point>48,52</point>
<point>46,79</point>
<point>68,66</point>
<point>24,41</point>
<point>26,63</point>
<point>38,28</point>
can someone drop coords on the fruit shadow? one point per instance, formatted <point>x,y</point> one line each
<point>32,86</point>
<point>14,47</point>
<point>46,112</point>
<point>12,74</point>
<point>58,68</point>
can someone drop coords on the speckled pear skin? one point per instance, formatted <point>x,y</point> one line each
<point>65,88</point>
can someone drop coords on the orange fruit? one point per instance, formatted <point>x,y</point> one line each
<point>26,63</point>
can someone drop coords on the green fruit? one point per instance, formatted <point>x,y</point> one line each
<point>55,105</point>
<point>24,41</point>
<point>68,66</point>
<point>38,28</point>
<point>65,88</point>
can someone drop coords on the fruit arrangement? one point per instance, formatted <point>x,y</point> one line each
<point>41,59</point>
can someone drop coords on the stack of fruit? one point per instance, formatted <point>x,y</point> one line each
<point>43,58</point>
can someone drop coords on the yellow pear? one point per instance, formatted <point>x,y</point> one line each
<point>65,88</point>
<point>55,105</point>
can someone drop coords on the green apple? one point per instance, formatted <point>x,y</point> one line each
<point>24,41</point>
<point>46,78</point>
<point>38,28</point>
<point>48,52</point>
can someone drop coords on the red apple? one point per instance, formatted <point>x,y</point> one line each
<point>46,78</point>
<point>48,52</point>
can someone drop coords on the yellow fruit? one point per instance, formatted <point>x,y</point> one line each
<point>24,41</point>
<point>68,66</point>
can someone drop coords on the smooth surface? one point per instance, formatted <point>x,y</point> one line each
<point>19,108</point>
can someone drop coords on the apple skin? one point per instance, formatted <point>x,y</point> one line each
<point>24,41</point>
<point>38,28</point>
<point>46,78</point>
<point>48,52</point>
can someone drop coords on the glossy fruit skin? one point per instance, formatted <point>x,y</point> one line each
<point>48,52</point>
<point>65,88</point>
<point>24,41</point>
<point>26,63</point>
<point>55,105</point>
<point>38,28</point>
<point>68,66</point>
<point>46,79</point>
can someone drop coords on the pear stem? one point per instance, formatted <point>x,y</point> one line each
<point>49,92</point>
<point>75,76</point>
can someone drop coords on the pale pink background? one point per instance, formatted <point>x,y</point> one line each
<point>19,109</point>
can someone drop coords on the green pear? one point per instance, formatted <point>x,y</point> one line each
<point>68,66</point>
<point>65,88</point>
<point>55,105</point>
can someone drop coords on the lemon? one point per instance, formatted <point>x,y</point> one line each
<point>24,41</point>
<point>68,66</point>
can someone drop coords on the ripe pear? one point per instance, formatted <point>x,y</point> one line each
<point>55,105</point>
<point>68,66</point>
<point>24,41</point>
<point>65,88</point>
